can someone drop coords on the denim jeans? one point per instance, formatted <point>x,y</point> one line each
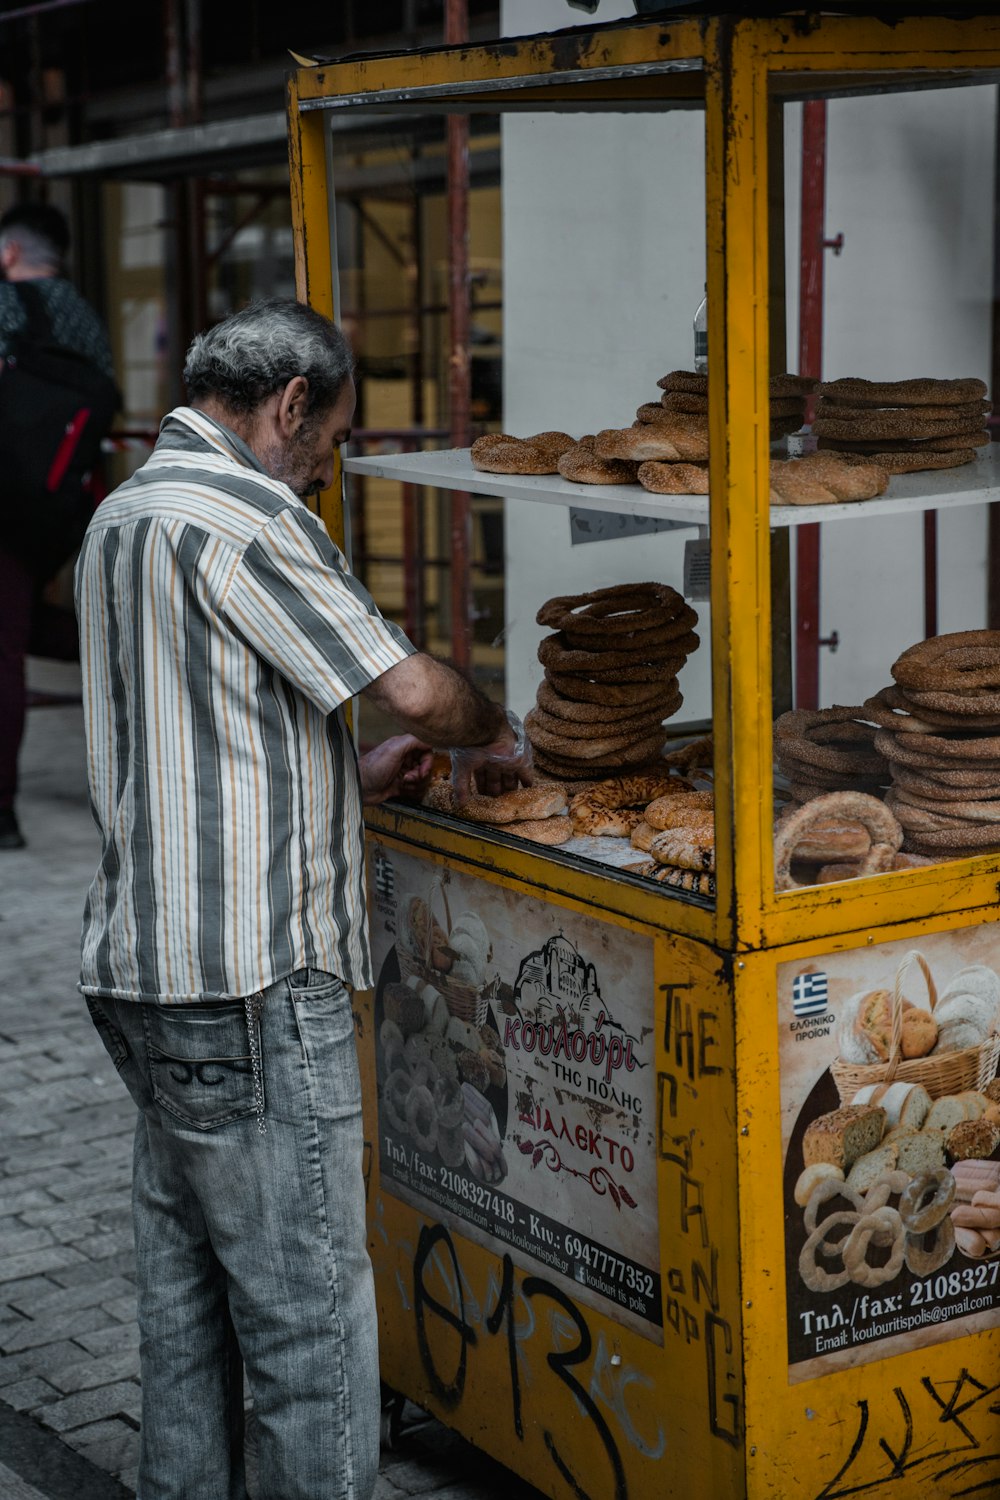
<point>250,1246</point>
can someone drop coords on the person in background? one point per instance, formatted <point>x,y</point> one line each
<point>34,239</point>
<point>222,638</point>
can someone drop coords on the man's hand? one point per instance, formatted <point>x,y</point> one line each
<point>501,766</point>
<point>399,767</point>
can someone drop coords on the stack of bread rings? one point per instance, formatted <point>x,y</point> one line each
<point>902,426</point>
<point>828,749</point>
<point>610,678</point>
<point>677,831</point>
<point>939,730</point>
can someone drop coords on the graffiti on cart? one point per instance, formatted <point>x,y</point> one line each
<point>692,1302</point>
<point>942,1434</point>
<point>452,1323</point>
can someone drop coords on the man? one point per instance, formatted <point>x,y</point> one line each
<point>222,637</point>
<point>34,239</point>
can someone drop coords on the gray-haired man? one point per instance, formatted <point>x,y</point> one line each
<point>222,636</point>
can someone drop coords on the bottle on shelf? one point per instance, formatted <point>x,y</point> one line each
<point>701,336</point>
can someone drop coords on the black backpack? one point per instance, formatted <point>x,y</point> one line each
<point>56,407</point>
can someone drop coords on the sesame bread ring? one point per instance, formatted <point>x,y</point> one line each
<point>898,749</point>
<point>674,478</point>
<point>544,801</point>
<point>600,712</point>
<point>926,1200</point>
<point>889,424</point>
<point>575,729</point>
<point>554,652</point>
<point>778,385</point>
<point>651,412</point>
<point>910,416</point>
<point>699,882</point>
<point>691,810</point>
<point>961,806</point>
<point>622,608</point>
<point>925,1254</point>
<point>963,661</point>
<point>499,453</point>
<point>645,754</point>
<point>879,1228</point>
<point>885,709</point>
<point>654,440</point>
<point>689,848</point>
<point>945,785</point>
<point>914,463</point>
<point>582,465</point>
<point>816,1277</point>
<point>824,479</point>
<point>977,438</point>
<point>886,833</point>
<point>919,820</point>
<point>975,706</point>
<point>919,392</point>
<point>574,688</point>
<point>542,830</point>
<point>595,748</point>
<point>933,719</point>
<point>600,810</point>
<point>683,401</point>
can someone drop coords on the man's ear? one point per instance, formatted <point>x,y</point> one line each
<point>291,411</point>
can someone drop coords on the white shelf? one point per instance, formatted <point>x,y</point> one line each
<point>451,469</point>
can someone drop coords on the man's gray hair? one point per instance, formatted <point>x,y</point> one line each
<point>255,353</point>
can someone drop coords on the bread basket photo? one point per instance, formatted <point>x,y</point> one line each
<point>940,1073</point>
<point>464,999</point>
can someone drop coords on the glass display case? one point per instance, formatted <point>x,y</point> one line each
<point>682,1081</point>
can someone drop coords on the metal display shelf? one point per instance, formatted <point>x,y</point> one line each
<point>977,483</point>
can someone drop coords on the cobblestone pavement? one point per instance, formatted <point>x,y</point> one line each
<point>68,1338</point>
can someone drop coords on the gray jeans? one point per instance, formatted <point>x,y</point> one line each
<point>250,1246</point>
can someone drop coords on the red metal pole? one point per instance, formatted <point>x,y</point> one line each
<point>460,385</point>
<point>811,251</point>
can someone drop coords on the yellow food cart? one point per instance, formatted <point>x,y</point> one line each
<point>614,1290</point>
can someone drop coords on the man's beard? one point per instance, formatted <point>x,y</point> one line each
<point>292,463</point>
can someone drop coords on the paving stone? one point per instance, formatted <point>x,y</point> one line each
<point>94,1406</point>
<point>100,1246</point>
<point>38,1331</point>
<point>18,1240</point>
<point>49,1259</point>
<point>122,1264</point>
<point>109,1340</point>
<point>88,1372</point>
<point>68,1299</point>
<point>122,1308</point>
<point>114,1454</point>
<point>38,1361</point>
<point>25,1395</point>
<point>24,1200</point>
<point>98,1432</point>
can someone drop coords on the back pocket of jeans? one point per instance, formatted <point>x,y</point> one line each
<point>200,1064</point>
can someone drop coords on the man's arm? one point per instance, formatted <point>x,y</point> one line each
<point>435,703</point>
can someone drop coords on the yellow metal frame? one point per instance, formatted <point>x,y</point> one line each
<point>787,1441</point>
<point>734,64</point>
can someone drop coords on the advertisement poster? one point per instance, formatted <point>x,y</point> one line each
<point>891,1173</point>
<point>516,1079</point>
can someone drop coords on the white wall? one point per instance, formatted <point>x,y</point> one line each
<point>604,266</point>
<point>909,184</point>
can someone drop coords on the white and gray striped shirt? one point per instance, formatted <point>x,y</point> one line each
<point>221,635</point>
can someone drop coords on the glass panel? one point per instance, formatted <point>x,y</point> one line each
<point>890,293</point>
<point>584,292</point>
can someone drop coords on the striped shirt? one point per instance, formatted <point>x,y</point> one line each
<point>221,635</point>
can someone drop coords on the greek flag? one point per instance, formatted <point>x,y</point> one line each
<point>809,993</point>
